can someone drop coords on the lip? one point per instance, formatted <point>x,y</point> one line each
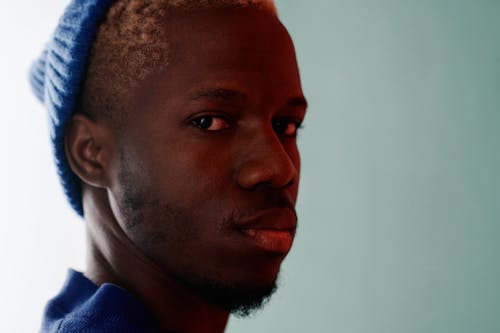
<point>274,218</point>
<point>272,229</point>
<point>269,240</point>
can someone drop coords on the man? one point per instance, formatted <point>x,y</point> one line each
<point>174,126</point>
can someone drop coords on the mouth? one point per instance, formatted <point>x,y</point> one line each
<point>271,230</point>
<point>277,241</point>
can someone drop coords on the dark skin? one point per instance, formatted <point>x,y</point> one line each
<point>199,183</point>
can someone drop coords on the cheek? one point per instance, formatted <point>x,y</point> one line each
<point>176,187</point>
<point>190,170</point>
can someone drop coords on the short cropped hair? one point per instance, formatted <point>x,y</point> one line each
<point>130,45</point>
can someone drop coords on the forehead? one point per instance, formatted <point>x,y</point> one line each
<point>235,46</point>
<point>232,26</point>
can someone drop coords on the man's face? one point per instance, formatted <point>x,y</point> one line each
<point>207,167</point>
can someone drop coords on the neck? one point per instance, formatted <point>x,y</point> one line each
<point>113,258</point>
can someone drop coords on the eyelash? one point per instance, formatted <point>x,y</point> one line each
<point>297,126</point>
<point>199,123</point>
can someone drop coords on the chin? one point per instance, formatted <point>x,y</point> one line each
<point>260,272</point>
<point>240,300</point>
<point>241,291</point>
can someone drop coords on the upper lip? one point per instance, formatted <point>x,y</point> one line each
<point>257,220</point>
<point>285,217</point>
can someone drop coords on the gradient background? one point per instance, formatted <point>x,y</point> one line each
<point>400,192</point>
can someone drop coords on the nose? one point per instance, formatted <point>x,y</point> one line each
<point>266,160</point>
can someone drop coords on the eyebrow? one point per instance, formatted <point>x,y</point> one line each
<point>222,94</point>
<point>231,95</point>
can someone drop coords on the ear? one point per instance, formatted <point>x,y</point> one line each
<point>88,150</point>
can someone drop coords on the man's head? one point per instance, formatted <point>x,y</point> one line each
<point>186,134</point>
<point>133,43</point>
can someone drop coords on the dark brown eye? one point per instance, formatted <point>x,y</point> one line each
<point>286,127</point>
<point>210,123</point>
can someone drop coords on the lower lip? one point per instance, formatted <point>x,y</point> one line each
<point>279,241</point>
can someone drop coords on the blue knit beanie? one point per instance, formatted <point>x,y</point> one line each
<point>57,78</point>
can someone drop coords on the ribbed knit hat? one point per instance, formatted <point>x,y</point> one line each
<point>57,78</point>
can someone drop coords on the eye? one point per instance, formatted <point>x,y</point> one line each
<point>210,123</point>
<point>286,127</point>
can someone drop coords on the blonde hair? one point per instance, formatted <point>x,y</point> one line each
<point>131,44</point>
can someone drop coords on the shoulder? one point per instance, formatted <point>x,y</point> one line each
<point>116,323</point>
<point>84,307</point>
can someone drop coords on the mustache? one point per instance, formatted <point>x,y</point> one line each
<point>270,201</point>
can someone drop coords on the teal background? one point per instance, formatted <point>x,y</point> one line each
<point>400,191</point>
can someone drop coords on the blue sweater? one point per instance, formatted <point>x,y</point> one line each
<point>81,306</point>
